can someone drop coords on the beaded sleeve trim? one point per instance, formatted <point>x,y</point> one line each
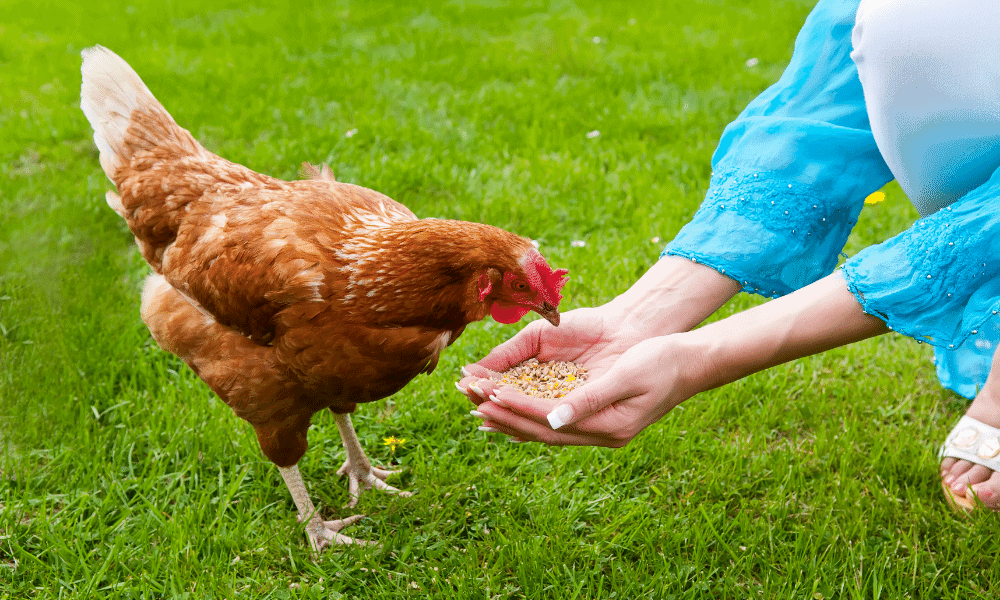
<point>937,282</point>
<point>770,234</point>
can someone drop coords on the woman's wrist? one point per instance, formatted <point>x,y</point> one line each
<point>674,295</point>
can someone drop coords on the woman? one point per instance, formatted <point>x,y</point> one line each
<point>890,88</point>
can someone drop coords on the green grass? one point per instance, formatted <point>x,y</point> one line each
<point>123,477</point>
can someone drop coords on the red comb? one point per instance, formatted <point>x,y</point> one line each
<point>553,281</point>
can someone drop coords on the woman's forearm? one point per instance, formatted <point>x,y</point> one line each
<point>674,295</point>
<point>814,319</point>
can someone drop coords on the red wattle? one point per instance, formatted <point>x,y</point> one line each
<point>511,313</point>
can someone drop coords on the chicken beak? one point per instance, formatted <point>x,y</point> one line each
<point>551,313</point>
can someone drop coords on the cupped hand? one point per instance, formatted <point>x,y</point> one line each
<point>632,382</point>
<point>592,337</point>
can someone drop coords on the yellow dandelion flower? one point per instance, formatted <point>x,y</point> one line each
<point>393,441</point>
<point>875,198</point>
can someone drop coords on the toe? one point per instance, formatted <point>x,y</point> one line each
<point>956,469</point>
<point>385,473</point>
<point>946,465</point>
<point>974,475</point>
<point>988,491</point>
<point>338,524</point>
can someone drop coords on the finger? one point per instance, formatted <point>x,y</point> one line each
<point>478,371</point>
<point>526,406</point>
<point>524,345</point>
<point>489,387</point>
<point>590,399</point>
<point>525,429</point>
<point>476,389</point>
<point>469,387</point>
<point>526,417</point>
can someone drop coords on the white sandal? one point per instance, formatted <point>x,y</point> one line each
<point>976,442</point>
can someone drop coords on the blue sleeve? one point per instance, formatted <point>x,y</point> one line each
<point>938,281</point>
<point>791,173</point>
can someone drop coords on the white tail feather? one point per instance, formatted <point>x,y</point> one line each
<point>111,91</point>
<point>115,202</point>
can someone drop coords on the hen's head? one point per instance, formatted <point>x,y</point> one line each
<point>531,284</point>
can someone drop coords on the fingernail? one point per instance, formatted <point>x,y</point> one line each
<point>487,429</point>
<point>515,441</point>
<point>460,388</point>
<point>464,372</point>
<point>477,414</point>
<point>477,390</point>
<point>498,401</point>
<point>560,416</point>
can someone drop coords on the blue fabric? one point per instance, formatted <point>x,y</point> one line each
<point>791,173</point>
<point>939,282</point>
<point>789,179</point>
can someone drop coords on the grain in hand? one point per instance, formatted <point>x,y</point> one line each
<point>552,379</point>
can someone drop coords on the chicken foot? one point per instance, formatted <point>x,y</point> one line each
<point>320,533</point>
<point>358,468</point>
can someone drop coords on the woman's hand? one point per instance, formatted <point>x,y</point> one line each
<point>673,296</point>
<point>592,337</point>
<point>626,391</point>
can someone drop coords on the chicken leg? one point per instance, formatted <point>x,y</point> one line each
<point>320,533</point>
<point>358,468</point>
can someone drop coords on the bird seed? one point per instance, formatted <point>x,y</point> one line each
<point>551,380</point>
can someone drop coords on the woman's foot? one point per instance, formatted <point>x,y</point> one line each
<point>959,475</point>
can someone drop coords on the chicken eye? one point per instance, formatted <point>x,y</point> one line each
<point>520,286</point>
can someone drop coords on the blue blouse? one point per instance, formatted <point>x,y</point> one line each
<point>790,176</point>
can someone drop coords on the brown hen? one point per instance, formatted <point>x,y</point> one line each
<point>288,298</point>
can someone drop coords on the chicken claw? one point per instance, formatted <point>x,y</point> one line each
<point>357,467</point>
<point>327,533</point>
<point>372,477</point>
<point>320,533</point>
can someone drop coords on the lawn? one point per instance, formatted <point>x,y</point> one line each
<point>122,476</point>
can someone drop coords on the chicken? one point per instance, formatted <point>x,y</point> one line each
<point>288,298</point>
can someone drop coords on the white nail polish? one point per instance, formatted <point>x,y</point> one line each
<point>477,414</point>
<point>560,416</point>
<point>464,372</point>
<point>487,429</point>
<point>498,402</point>
<point>477,390</point>
<point>460,388</point>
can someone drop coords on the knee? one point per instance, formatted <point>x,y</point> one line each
<point>899,35</point>
<point>882,29</point>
